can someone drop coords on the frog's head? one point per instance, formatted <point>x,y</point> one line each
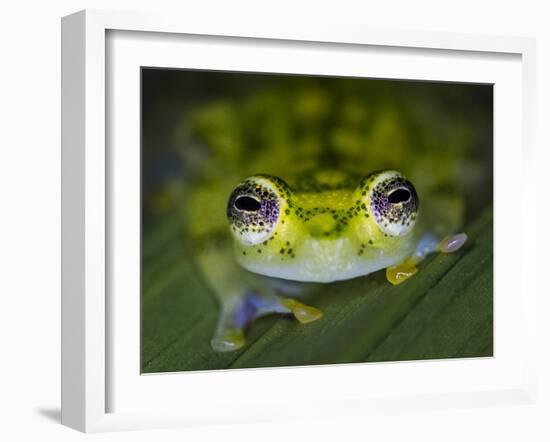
<point>328,227</point>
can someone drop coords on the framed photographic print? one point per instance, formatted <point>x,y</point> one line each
<point>252,213</point>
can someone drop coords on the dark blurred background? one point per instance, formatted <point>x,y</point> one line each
<point>202,125</point>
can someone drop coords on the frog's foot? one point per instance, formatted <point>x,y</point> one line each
<point>427,244</point>
<point>241,312</point>
<point>401,272</point>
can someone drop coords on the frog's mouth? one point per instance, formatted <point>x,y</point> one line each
<point>322,261</point>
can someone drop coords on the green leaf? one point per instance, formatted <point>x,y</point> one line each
<point>444,311</point>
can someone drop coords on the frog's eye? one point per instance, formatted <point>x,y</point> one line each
<point>247,203</point>
<point>399,195</point>
<point>392,202</point>
<point>254,208</point>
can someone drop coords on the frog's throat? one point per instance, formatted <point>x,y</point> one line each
<point>324,261</point>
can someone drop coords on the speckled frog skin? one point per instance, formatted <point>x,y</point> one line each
<point>318,227</point>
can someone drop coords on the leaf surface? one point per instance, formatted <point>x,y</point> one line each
<point>444,311</point>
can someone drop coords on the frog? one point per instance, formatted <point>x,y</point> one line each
<point>319,227</point>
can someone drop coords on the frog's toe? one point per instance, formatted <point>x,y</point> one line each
<point>452,243</point>
<point>401,272</point>
<point>302,312</point>
<point>306,314</point>
<point>229,340</point>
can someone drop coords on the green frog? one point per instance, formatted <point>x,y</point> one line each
<point>319,227</point>
<point>276,212</point>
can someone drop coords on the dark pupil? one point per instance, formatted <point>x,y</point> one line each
<point>399,196</point>
<point>247,203</point>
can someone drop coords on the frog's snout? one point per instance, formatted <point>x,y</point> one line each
<point>322,224</point>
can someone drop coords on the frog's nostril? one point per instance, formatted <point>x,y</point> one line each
<point>247,204</point>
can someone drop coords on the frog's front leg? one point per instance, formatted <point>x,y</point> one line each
<point>427,244</point>
<point>240,311</point>
<point>244,296</point>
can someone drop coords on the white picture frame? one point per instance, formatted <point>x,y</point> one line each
<point>87,207</point>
